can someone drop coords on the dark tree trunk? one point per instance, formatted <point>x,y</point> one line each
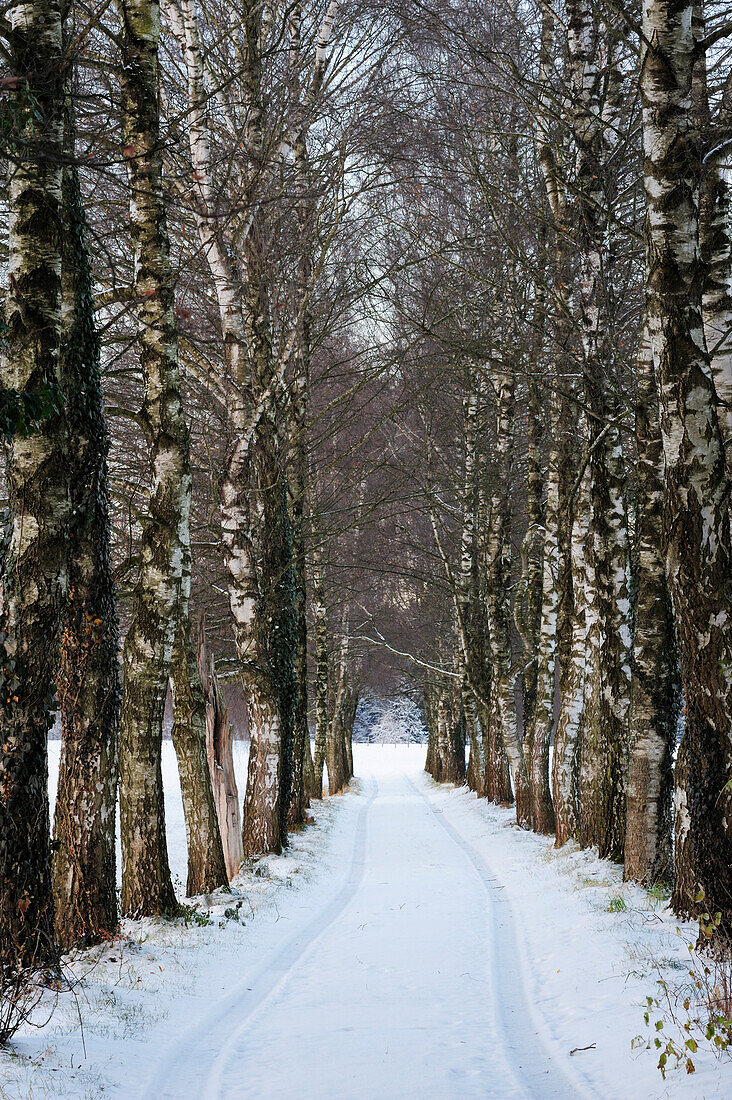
<point>34,581</point>
<point>88,684</point>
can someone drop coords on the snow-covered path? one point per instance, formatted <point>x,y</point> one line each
<point>405,984</point>
<point>412,944</point>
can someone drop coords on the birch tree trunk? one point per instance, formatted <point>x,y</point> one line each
<point>467,605</point>
<point>541,718</point>
<point>528,601</point>
<point>567,740</point>
<point>556,589</point>
<point>470,590</point>
<point>88,683</point>
<point>476,761</point>
<point>605,732</point>
<point>497,775</point>
<point>699,559</point>
<point>206,864</point>
<point>715,234</point>
<point>256,525</point>
<point>655,701</point>
<point>35,580</point>
<point>446,748</point>
<point>334,743</point>
<point>303,769</point>
<point>320,614</point>
<point>498,601</point>
<point>146,884</point>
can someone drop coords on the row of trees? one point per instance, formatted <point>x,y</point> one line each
<point>582,290</point>
<point>205,175</point>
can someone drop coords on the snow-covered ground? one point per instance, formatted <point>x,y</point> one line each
<point>413,943</point>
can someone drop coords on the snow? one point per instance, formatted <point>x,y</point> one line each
<point>412,943</point>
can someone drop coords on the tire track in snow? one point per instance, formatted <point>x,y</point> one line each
<point>191,1049</point>
<point>543,1072</point>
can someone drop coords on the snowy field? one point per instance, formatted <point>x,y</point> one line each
<point>411,944</point>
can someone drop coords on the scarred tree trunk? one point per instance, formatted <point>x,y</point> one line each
<point>34,580</point>
<point>146,884</point>
<point>219,752</point>
<point>655,696</point>
<point>699,557</point>
<point>88,682</point>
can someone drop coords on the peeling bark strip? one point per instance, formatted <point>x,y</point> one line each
<point>89,689</point>
<point>146,883</point>
<point>655,700</point>
<point>220,756</point>
<point>699,560</point>
<point>34,581</point>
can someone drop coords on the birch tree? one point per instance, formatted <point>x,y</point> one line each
<point>698,561</point>
<point>148,650</point>
<point>655,702</point>
<point>595,107</point>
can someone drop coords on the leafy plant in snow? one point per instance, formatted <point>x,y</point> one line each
<point>697,1014</point>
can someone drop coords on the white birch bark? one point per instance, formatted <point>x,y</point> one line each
<point>699,556</point>
<point>146,884</point>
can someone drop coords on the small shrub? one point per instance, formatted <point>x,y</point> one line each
<point>697,1013</point>
<point>20,992</point>
<point>190,915</point>
<point>233,912</point>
